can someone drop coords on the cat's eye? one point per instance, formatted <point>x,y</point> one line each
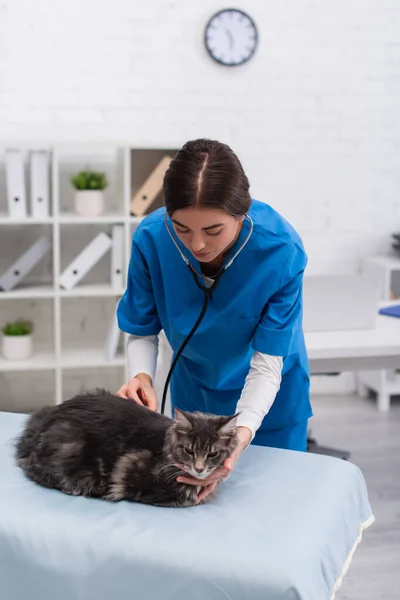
<point>212,454</point>
<point>189,451</point>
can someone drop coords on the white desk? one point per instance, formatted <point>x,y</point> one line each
<point>333,351</point>
<point>373,349</point>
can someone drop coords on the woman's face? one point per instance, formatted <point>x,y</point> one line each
<point>206,232</point>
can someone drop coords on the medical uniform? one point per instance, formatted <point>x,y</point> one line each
<point>256,306</point>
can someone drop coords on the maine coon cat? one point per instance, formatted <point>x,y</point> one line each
<point>100,445</point>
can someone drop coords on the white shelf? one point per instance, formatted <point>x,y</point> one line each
<point>37,291</point>
<point>73,219</point>
<point>82,358</point>
<point>6,220</point>
<point>47,291</point>
<point>94,290</point>
<point>40,361</point>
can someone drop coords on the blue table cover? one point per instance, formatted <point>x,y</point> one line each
<point>283,527</point>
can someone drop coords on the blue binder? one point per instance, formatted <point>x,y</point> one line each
<point>391,311</point>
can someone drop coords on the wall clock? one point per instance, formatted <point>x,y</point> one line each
<point>231,37</point>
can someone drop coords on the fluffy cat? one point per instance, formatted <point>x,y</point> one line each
<point>99,445</point>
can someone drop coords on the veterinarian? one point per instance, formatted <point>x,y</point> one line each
<point>248,355</point>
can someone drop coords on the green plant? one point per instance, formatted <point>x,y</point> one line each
<point>18,327</point>
<point>89,180</point>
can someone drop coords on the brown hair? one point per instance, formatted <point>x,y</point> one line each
<point>206,173</point>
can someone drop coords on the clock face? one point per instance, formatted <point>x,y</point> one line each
<point>231,37</point>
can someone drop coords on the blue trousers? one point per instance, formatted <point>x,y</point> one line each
<point>287,438</point>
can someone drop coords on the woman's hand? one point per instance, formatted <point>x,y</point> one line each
<point>140,389</point>
<point>209,484</point>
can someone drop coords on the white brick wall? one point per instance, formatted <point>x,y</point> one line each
<point>314,117</point>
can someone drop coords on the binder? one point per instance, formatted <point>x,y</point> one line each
<point>25,263</point>
<point>39,183</point>
<point>150,189</point>
<point>15,183</point>
<point>113,337</point>
<point>117,275</point>
<point>85,261</point>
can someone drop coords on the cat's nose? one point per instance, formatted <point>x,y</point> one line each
<point>199,470</point>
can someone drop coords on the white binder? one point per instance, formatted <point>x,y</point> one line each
<point>113,337</point>
<point>117,275</point>
<point>85,261</point>
<point>39,183</point>
<point>15,183</point>
<point>25,263</point>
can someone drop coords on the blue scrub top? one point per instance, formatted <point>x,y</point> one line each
<point>257,305</point>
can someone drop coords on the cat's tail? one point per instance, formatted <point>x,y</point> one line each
<point>27,440</point>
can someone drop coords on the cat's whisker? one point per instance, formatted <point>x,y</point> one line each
<point>164,468</point>
<point>167,466</point>
<point>176,473</point>
<point>170,478</point>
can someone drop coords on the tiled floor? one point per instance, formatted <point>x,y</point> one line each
<point>352,423</point>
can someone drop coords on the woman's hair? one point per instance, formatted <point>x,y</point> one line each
<point>207,174</point>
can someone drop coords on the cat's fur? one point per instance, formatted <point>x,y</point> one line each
<point>99,445</point>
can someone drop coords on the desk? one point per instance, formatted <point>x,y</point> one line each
<point>372,349</point>
<point>333,351</point>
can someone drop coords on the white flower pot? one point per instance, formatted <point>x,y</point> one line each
<point>16,347</point>
<point>89,203</point>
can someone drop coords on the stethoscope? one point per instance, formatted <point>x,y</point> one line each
<point>208,288</point>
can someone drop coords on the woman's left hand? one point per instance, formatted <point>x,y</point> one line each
<point>209,484</point>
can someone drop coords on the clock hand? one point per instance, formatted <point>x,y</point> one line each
<point>230,36</point>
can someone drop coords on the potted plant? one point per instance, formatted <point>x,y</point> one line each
<point>89,195</point>
<point>17,340</point>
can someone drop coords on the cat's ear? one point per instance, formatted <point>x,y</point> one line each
<point>228,425</point>
<point>182,418</point>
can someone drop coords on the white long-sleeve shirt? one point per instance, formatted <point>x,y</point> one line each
<point>258,394</point>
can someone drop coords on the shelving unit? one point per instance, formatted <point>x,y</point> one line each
<point>385,383</point>
<point>64,356</point>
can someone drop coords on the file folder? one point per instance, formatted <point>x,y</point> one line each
<point>117,274</point>
<point>150,189</point>
<point>25,263</point>
<point>113,337</point>
<point>39,184</point>
<point>15,183</point>
<point>85,261</point>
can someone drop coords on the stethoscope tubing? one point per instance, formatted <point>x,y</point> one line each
<point>207,295</point>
